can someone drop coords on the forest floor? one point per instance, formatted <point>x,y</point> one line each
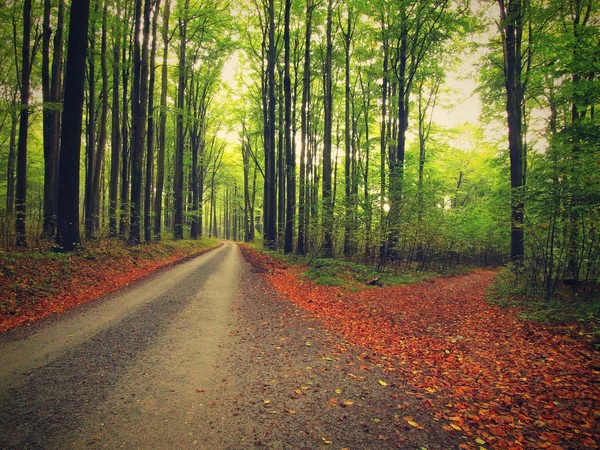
<point>217,353</point>
<point>480,372</point>
<point>37,285</point>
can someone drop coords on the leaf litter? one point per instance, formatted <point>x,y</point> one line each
<point>484,372</point>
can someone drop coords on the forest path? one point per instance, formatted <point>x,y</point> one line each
<point>202,355</point>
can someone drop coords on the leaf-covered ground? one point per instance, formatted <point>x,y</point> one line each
<point>481,371</point>
<point>37,285</point>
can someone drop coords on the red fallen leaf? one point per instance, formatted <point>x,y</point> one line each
<point>505,377</point>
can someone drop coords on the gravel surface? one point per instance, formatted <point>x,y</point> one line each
<point>202,355</point>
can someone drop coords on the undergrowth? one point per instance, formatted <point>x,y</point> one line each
<point>355,275</point>
<point>35,284</point>
<point>580,314</point>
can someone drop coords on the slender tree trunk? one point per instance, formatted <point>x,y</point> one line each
<point>67,236</point>
<point>511,17</point>
<point>115,132</point>
<point>21,188</point>
<point>126,136</point>
<point>290,211</point>
<point>139,113</point>
<point>99,163</point>
<point>328,120</point>
<point>91,129</point>
<point>304,132</point>
<point>281,165</point>
<point>348,159</point>
<point>51,87</point>
<point>270,200</point>
<point>150,137</point>
<point>178,187</point>
<point>160,169</point>
<point>12,156</point>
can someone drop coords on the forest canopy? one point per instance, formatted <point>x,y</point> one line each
<point>409,133</point>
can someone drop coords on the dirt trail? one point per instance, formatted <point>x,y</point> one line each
<point>202,355</point>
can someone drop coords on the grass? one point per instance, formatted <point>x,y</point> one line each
<point>355,275</point>
<point>580,313</point>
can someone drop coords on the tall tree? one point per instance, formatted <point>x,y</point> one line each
<point>179,150</point>
<point>162,126</point>
<point>304,131</point>
<point>138,114</point>
<point>327,130</point>
<point>150,135</point>
<point>270,187</point>
<point>21,188</point>
<point>113,191</point>
<point>51,90</point>
<point>67,235</point>
<point>511,27</point>
<point>290,157</point>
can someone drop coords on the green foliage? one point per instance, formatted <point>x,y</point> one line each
<point>579,312</point>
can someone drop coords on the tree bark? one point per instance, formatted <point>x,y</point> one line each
<point>115,132</point>
<point>51,87</point>
<point>290,211</point>
<point>150,136</point>
<point>67,236</point>
<point>178,181</point>
<point>328,120</point>
<point>21,188</point>
<point>138,116</point>
<point>160,163</point>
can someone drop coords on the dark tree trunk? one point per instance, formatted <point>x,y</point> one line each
<point>160,169</point>
<point>115,133</point>
<point>511,17</point>
<point>348,158</point>
<point>270,193</point>
<point>328,121</point>
<point>125,134</point>
<point>21,188</point>
<point>12,156</point>
<point>51,81</point>
<point>150,137</point>
<point>290,211</point>
<point>138,115</point>
<point>178,181</point>
<point>304,134</point>
<point>99,163</point>
<point>88,217</point>
<point>67,236</point>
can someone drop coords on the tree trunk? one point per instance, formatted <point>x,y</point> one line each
<point>21,188</point>
<point>125,134</point>
<point>304,132</point>
<point>290,211</point>
<point>88,217</point>
<point>328,120</point>
<point>99,163</point>
<point>150,137</point>
<point>511,17</point>
<point>115,132</point>
<point>270,194</point>
<point>51,87</point>
<point>67,236</point>
<point>138,116</point>
<point>160,169</point>
<point>178,182</point>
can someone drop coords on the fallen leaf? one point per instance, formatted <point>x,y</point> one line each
<point>383,383</point>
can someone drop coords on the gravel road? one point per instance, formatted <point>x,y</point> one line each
<point>200,355</point>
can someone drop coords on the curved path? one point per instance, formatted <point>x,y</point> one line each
<point>200,355</point>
